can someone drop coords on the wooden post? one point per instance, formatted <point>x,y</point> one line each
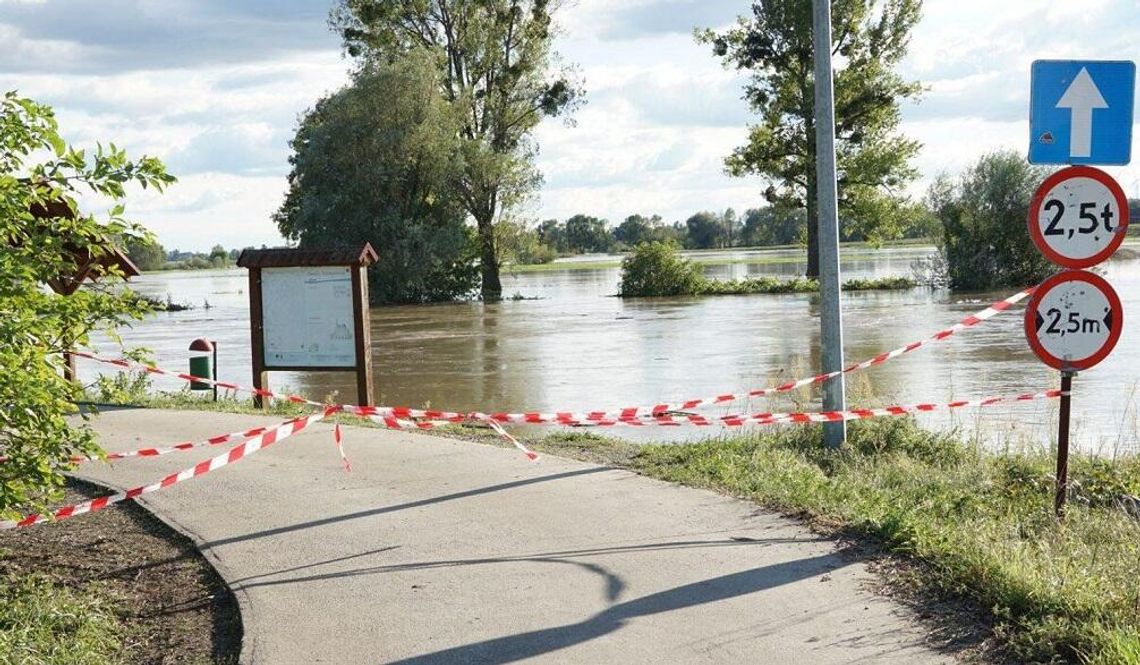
<point>1062,487</point>
<point>256,330</point>
<point>362,325</point>
<point>70,372</point>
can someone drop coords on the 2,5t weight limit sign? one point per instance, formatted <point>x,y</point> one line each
<point>1078,217</point>
<point>1074,320</point>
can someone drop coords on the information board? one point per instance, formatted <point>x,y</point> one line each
<point>308,317</point>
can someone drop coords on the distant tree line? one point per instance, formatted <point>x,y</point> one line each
<point>758,227</point>
<point>150,255</point>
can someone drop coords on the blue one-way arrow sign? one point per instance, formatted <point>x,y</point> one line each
<point>1081,112</point>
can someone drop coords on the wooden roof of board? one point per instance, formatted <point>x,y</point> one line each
<point>288,258</point>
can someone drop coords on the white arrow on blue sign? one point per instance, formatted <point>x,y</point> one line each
<point>1080,111</point>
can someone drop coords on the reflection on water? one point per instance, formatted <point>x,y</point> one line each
<point>577,348</point>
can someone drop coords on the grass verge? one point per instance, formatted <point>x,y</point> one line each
<point>41,622</point>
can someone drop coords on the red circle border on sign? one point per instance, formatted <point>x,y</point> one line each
<point>1054,180</point>
<point>1097,282</point>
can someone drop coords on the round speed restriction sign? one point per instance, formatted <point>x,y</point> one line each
<point>1074,320</point>
<point>1078,217</point>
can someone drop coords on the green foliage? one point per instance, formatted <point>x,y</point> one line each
<point>637,229</point>
<point>980,524</point>
<point>494,67</point>
<point>38,171</point>
<point>657,269</point>
<point>774,225</point>
<point>775,45</point>
<point>983,213</point>
<point>879,284</point>
<point>705,231</point>
<point>379,162</point>
<point>586,235</point>
<point>519,245</point>
<point>146,254</point>
<point>125,387</point>
<point>52,625</point>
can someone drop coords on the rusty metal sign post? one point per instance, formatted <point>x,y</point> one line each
<point>308,312</point>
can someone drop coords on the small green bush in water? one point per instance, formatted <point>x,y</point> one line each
<point>985,239</point>
<point>658,269</point>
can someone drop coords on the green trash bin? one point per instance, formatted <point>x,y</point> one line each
<point>201,367</point>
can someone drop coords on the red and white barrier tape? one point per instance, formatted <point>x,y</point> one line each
<point>174,448</point>
<point>239,452</point>
<point>394,414</point>
<point>674,419</point>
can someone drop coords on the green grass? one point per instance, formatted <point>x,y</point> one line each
<point>775,285</point>
<point>48,624</point>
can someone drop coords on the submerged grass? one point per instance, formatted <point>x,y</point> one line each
<point>775,285</point>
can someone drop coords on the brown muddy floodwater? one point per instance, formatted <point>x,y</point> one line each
<point>576,348</point>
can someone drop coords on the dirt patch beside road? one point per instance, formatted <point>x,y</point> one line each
<point>171,605</point>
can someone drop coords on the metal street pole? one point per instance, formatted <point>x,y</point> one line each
<point>831,322</point>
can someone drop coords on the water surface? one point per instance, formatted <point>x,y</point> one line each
<point>579,348</point>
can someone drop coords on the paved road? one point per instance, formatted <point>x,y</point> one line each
<point>440,551</point>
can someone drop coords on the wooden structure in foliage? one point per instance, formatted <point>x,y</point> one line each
<point>88,264</point>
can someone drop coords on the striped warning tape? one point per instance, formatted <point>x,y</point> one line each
<point>734,420</point>
<point>173,448</point>
<point>384,414</point>
<point>241,451</point>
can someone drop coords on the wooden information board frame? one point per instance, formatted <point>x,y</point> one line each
<point>357,262</point>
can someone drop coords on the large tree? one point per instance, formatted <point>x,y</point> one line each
<point>495,64</point>
<point>869,38</point>
<point>376,162</point>
<point>43,236</point>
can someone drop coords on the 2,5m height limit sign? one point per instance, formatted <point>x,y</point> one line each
<point>1074,320</point>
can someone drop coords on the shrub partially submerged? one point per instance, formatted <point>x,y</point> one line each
<point>658,269</point>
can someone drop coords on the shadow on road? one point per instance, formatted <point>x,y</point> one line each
<point>547,640</point>
<point>403,506</point>
<point>613,582</point>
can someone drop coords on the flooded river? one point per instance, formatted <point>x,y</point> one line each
<point>578,348</point>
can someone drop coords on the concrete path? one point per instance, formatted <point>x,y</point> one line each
<point>440,551</point>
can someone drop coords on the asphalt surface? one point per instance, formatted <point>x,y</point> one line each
<point>433,550</point>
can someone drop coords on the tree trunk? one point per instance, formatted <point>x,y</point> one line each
<point>492,290</point>
<point>813,226</point>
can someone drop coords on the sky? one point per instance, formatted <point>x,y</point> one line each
<point>215,87</point>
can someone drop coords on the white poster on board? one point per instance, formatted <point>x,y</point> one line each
<point>308,317</point>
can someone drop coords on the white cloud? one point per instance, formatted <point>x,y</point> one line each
<point>214,87</point>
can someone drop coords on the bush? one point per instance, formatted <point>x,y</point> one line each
<point>43,235</point>
<point>983,213</point>
<point>658,269</point>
